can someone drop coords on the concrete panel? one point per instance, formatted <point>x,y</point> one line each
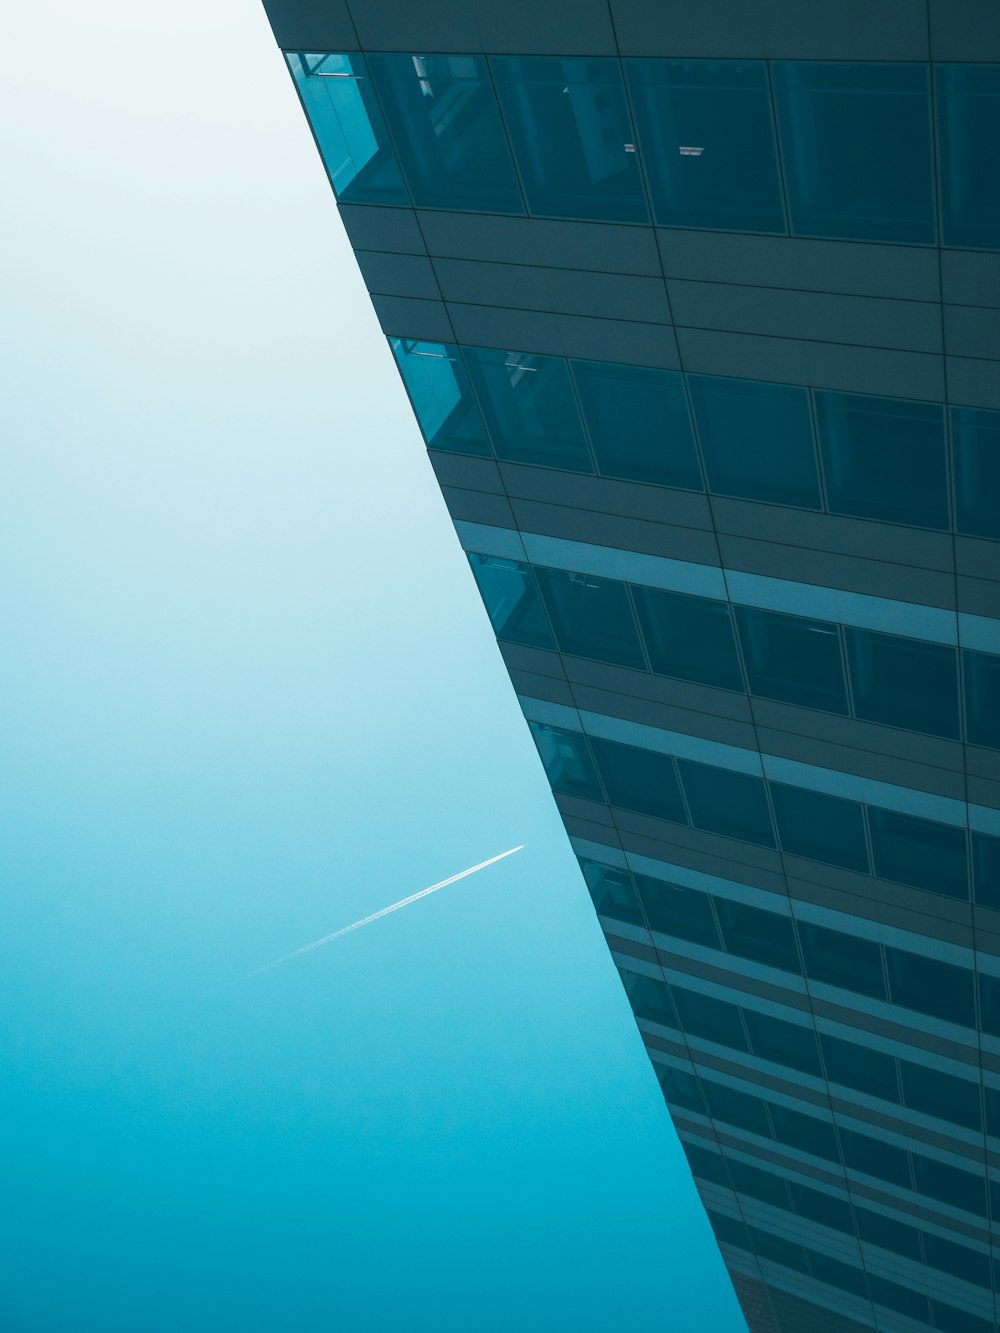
<point>596,247</point>
<point>398,275</point>
<point>973,383</point>
<point>377,228</point>
<point>477,507</point>
<point>521,286</point>
<point>470,474</point>
<point>406,317</point>
<point>311,25</point>
<point>565,335</point>
<point>686,509</point>
<point>627,534</point>
<point>518,26</point>
<point>972,331</point>
<point>964,30</point>
<point>970,277</point>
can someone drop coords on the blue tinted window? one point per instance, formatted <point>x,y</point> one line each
<point>572,137</point>
<point>704,1016</point>
<point>722,801</point>
<point>976,450</point>
<point>568,765</point>
<point>837,1274</point>
<point>820,827</point>
<point>708,143</point>
<point>508,590</point>
<point>950,1184</point>
<point>779,1251</point>
<point>530,408</point>
<point>958,1260</point>
<point>765,937</point>
<point>736,1108</point>
<point>792,659</point>
<point>952,1320</point>
<point>903,682</point>
<point>919,852</point>
<point>875,1158</point>
<point>982,698</point>
<point>826,1209</point>
<point>889,1234</point>
<point>935,1093</point>
<point>784,1043</point>
<point>728,1231</point>
<point>685,913</point>
<point>968,114</point>
<point>858,1067</point>
<point>639,424</point>
<point>706,1165</point>
<point>805,1132</point>
<point>986,869</point>
<point>839,959</point>
<point>689,637</point>
<point>640,780</point>
<point>612,891</point>
<point>442,397</point>
<point>756,440</point>
<point>443,116</point>
<point>904,1300</point>
<point>855,141</point>
<point>989,1003</point>
<point>931,987</point>
<point>592,617</point>
<point>883,458</point>
<point>680,1089</point>
<point>649,998</point>
<point>758,1184</point>
<point>350,133</point>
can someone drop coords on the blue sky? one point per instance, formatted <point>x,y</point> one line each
<point>249,695</point>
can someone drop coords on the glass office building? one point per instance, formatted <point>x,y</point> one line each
<point>698,308</point>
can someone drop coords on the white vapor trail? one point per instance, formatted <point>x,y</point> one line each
<point>394,907</point>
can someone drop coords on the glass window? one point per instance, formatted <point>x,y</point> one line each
<point>722,801</point>
<point>639,425</point>
<point>756,440</point>
<point>820,827</point>
<point>986,869</point>
<point>982,698</point>
<point>875,1158</point>
<point>958,1260</point>
<point>975,437</point>
<point>728,1231</point>
<point>968,115</point>
<point>592,617</point>
<point>705,1016</point>
<point>612,891</point>
<point>889,1234</point>
<point>640,780</point>
<point>567,762</point>
<point>989,1004</point>
<point>805,1132</point>
<point>706,1165</point>
<point>883,458</point>
<point>684,913</point>
<point>839,959</point>
<point>765,937</point>
<point>441,396</point>
<point>860,1068</point>
<point>903,682</point>
<point>758,1184</point>
<point>508,590</point>
<point>792,659</point>
<point>919,852</point>
<point>530,408</point>
<point>784,1043</point>
<point>680,1089</point>
<point>779,1251</point>
<point>689,637</point>
<point>950,1184</point>
<point>350,133</point>
<point>708,143</point>
<point>931,987</point>
<point>950,1319</point>
<point>935,1093</point>
<point>904,1300</point>
<point>442,114</point>
<point>855,142</point>
<point>649,998</point>
<point>837,1274</point>
<point>826,1209</point>
<point>572,137</point>
<point>736,1108</point>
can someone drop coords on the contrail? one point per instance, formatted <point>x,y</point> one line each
<point>367,920</point>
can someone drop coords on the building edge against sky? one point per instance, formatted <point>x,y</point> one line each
<point>697,307</point>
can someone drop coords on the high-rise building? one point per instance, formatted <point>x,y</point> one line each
<point>698,307</point>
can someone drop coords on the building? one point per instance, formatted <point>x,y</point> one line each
<point>697,307</point>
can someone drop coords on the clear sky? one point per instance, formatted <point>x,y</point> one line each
<point>248,694</point>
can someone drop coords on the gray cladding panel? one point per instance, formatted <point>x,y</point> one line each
<point>964,30</point>
<point>629,534</point>
<point>971,277</point>
<point>516,27</point>
<point>974,383</point>
<point>593,246</point>
<point>398,275</point>
<point>973,331</point>
<point>472,474</point>
<point>410,317</point>
<point>572,291</point>
<point>676,695</point>
<point>391,229</point>
<point>311,25</point>
<point>565,335</point>
<point>685,509</point>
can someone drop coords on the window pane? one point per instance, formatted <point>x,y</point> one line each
<point>779,1250</point>
<point>920,852</point>
<point>950,1184</point>
<point>706,1165</point>
<point>511,598</point>
<point>784,1043</point>
<point>722,801</point>
<point>572,137</point>
<point>805,1132</point>
<point>904,1300</point>
<point>688,637</point>
<point>792,659</point>
<point>728,1231</point>
<point>765,937</point>
<point>443,116</point>
<point>931,987</point>
<point>649,998</point>
<point>883,458</point>
<point>855,141</point>
<point>592,617</point>
<point>568,765</point>
<point>889,1234</point>
<point>708,143</point>
<point>640,780</point>
<point>820,827</point>
<point>684,913</point>
<point>837,1274</point>
<point>968,114</point>
<point>875,1158</point>
<point>839,959</point>
<point>756,440</point>
<point>857,1067</point>
<point>976,445</point>
<point>949,1319</point>
<point>958,1260</point>
<point>338,100</point>
<point>530,408</point>
<point>639,424</point>
<point>989,1004</point>
<point>826,1209</point>
<point>935,1093</point>
<point>680,1089</point>
<point>612,892</point>
<point>986,869</point>
<point>736,1108</point>
<point>714,1020</point>
<point>982,698</point>
<point>903,682</point>
<point>441,396</point>
<point>758,1184</point>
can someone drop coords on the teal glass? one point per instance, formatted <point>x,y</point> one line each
<point>763,937</point>
<point>756,440</point>
<point>792,659</point>
<point>838,1274</point>
<point>992,1098</point>
<point>343,113</point>
<point>649,999</point>
<point>779,1251</point>
<point>684,914</point>
<point>680,1089</point>
<point>839,959</point>
<point>884,458</point>
<point>443,117</point>
<point>733,1107</point>
<point>856,147</point>
<point>919,852</point>
<point>950,1184</point>
<point>442,398</point>
<point>989,1003</point>
<point>826,1209</point>
<point>567,762</point>
<point>638,423</point>
<point>968,116</point>
<point>688,637</point>
<point>933,1092</point>
<point>763,1185</point>
<point>572,137</point>
<point>508,590</point>
<point>707,143</point>
<point>612,892</point>
<point>986,869</point>
<point>530,408</point>
<point>706,1165</point>
<point>820,827</point>
<point>982,698</point>
<point>722,801</point>
<point>805,1132</point>
<point>904,1300</point>
<point>728,1231</point>
<point>783,1043</point>
<point>592,617</point>
<point>903,682</point>
<point>860,1068</point>
<point>959,1261</point>
<point>889,1234</point>
<point>975,441</point>
<point>875,1158</point>
<point>930,986</point>
<point>709,1018</point>
<point>640,780</point>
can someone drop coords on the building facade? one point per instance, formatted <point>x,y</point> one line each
<point>698,308</point>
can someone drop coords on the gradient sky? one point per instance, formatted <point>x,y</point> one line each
<point>249,694</point>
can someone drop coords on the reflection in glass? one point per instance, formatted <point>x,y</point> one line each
<point>512,602</point>
<point>640,780</point>
<point>649,998</point>
<point>930,986</point>
<point>919,852</point>
<point>975,439</point>
<point>722,801</point>
<point>592,617</point>
<point>689,637</point>
<point>441,396</point>
<point>763,937</point>
<point>903,682</point>
<point>792,659</point>
<point>839,959</point>
<point>820,827</point>
<point>567,762</point>
<point>685,914</point>
<point>968,115</point>
<point>612,891</point>
<point>530,408</point>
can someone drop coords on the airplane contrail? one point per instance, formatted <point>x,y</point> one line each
<point>394,907</point>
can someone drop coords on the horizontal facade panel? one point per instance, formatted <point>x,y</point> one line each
<point>972,331</point>
<point>630,534</point>
<point>619,341</point>
<point>964,30</point>
<point>408,317</point>
<point>569,291</point>
<point>597,247</point>
<point>312,25</point>
<point>394,230</point>
<point>519,27</point>
<point>685,509</point>
<point>388,274</point>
